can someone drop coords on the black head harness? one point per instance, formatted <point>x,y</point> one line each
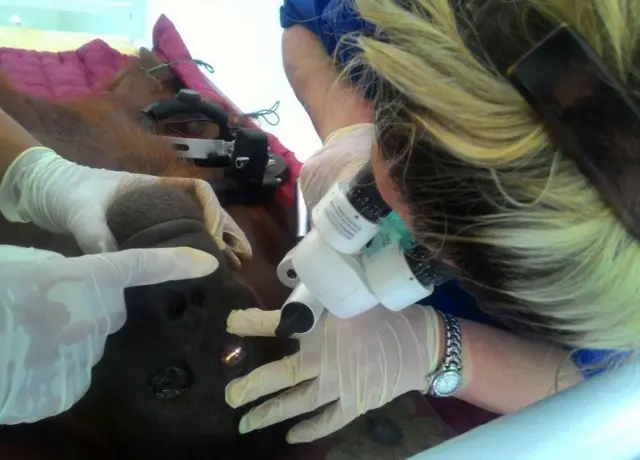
<point>252,173</point>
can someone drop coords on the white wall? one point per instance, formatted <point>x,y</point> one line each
<point>241,40</point>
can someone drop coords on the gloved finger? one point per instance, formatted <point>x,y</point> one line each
<point>232,258</point>
<point>139,267</point>
<point>269,379</point>
<point>15,254</point>
<point>359,131</point>
<point>94,238</point>
<point>253,322</point>
<point>211,208</point>
<point>292,403</point>
<point>235,238</point>
<point>215,217</point>
<point>343,154</point>
<point>232,241</point>
<point>332,419</point>
<point>316,178</point>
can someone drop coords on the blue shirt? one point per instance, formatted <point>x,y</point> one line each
<point>330,20</point>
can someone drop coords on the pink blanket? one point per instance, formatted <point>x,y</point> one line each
<point>85,71</point>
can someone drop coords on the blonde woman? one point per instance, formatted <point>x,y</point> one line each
<point>461,156</point>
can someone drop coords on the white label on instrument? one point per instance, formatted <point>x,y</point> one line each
<point>347,226</point>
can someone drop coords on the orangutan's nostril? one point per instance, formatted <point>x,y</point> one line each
<point>170,382</point>
<point>197,297</point>
<point>178,307</point>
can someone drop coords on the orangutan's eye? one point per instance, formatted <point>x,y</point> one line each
<point>232,355</point>
<point>170,382</point>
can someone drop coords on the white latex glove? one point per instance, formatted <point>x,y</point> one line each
<point>341,157</point>
<point>357,364</point>
<point>56,314</point>
<point>63,197</point>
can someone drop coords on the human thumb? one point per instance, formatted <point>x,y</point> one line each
<point>94,237</point>
<point>139,267</point>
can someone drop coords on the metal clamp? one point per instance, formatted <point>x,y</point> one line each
<point>187,101</point>
<point>251,172</point>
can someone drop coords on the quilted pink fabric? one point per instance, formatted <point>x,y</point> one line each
<point>62,75</point>
<point>85,71</point>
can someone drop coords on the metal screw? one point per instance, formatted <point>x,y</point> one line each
<point>241,162</point>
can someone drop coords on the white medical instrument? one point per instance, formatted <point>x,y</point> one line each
<point>347,264</point>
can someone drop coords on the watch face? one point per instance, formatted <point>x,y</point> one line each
<point>447,383</point>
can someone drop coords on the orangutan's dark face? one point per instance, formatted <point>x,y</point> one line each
<point>160,384</point>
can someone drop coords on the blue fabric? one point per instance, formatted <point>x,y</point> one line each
<point>329,20</point>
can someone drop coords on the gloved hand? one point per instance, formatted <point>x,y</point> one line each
<point>62,197</point>
<point>343,154</point>
<point>56,313</point>
<point>357,364</point>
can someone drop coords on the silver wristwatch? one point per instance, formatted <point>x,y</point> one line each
<point>447,379</point>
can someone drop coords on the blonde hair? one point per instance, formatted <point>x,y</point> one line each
<point>475,166</point>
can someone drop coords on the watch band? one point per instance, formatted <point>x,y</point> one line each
<point>447,378</point>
